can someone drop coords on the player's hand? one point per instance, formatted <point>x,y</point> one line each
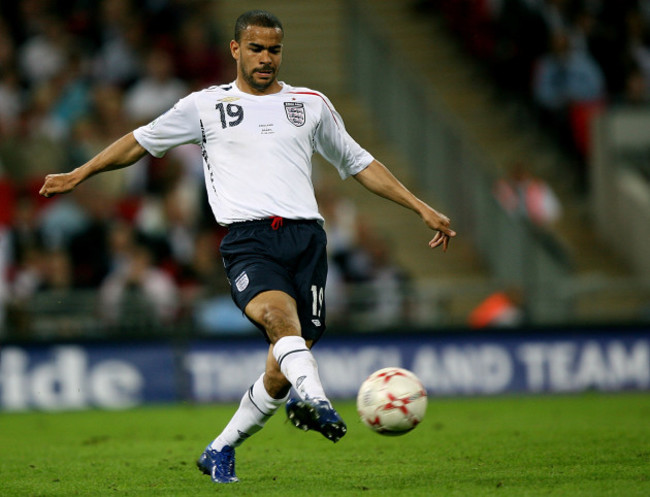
<point>58,183</point>
<point>440,223</point>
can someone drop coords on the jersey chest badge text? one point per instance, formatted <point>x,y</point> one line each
<point>295,113</point>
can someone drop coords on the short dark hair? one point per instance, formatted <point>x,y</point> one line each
<point>261,18</point>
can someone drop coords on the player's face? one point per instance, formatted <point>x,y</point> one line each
<point>258,56</point>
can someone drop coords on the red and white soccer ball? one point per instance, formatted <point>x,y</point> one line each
<point>392,401</point>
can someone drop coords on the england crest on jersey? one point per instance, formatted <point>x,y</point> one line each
<point>295,113</point>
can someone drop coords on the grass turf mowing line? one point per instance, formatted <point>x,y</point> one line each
<point>588,445</point>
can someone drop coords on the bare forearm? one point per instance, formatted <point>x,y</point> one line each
<point>119,154</point>
<point>379,180</point>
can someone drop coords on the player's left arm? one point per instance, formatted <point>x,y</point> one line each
<point>378,179</point>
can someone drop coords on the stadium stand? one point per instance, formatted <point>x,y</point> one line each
<point>65,82</point>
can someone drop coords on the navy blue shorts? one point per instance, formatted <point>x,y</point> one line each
<point>291,257</point>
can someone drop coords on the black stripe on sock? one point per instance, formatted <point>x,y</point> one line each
<point>289,353</point>
<point>250,396</point>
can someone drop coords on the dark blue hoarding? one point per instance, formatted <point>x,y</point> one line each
<point>107,375</point>
<point>122,375</point>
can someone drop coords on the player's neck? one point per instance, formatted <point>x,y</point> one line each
<point>243,86</point>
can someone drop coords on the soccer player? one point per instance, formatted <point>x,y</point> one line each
<point>257,136</point>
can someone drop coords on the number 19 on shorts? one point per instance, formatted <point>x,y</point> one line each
<point>317,295</point>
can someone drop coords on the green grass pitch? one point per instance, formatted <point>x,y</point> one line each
<point>586,445</point>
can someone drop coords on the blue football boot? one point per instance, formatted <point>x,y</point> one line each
<point>318,415</point>
<point>220,465</point>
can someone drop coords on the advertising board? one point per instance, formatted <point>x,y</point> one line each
<point>119,375</point>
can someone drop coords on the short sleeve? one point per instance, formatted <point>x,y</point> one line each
<point>179,125</point>
<point>335,144</point>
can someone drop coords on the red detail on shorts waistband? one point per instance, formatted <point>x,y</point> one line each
<point>276,222</point>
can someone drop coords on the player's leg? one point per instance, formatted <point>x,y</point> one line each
<point>258,404</point>
<point>277,313</point>
<point>263,288</point>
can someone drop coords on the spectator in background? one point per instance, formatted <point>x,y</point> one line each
<point>89,247</point>
<point>203,275</point>
<point>119,59</point>
<point>196,56</point>
<point>169,223</point>
<point>208,292</point>
<point>44,54</point>
<point>25,230</point>
<point>61,221</point>
<point>156,92</point>
<point>345,231</point>
<point>36,145</point>
<point>43,275</point>
<point>521,193</point>
<point>565,76</point>
<point>121,242</point>
<point>180,210</point>
<point>71,97</point>
<point>138,285</point>
<point>44,271</point>
<point>29,276</point>
<point>108,111</point>
<point>501,309</point>
<point>389,282</point>
<point>568,89</point>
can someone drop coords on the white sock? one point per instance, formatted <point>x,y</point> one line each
<point>299,366</point>
<point>255,409</point>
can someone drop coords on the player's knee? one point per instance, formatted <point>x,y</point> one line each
<point>278,322</point>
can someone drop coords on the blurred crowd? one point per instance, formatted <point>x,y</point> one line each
<point>137,247</point>
<point>565,59</point>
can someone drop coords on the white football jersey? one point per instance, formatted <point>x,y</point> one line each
<point>257,150</point>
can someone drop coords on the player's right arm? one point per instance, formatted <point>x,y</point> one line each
<point>119,154</point>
